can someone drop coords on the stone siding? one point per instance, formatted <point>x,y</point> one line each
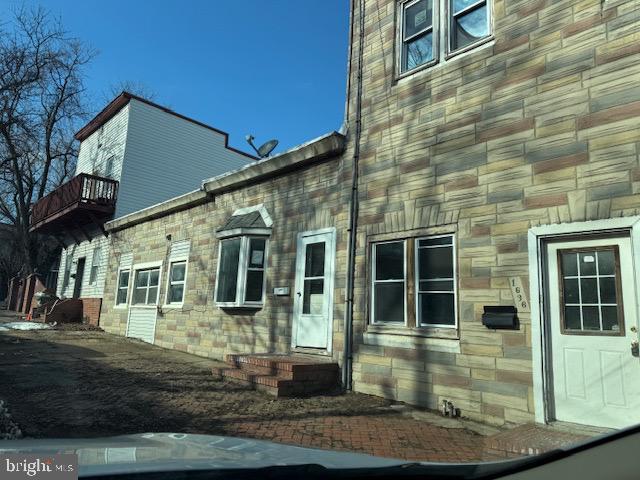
<point>539,126</point>
<point>304,200</point>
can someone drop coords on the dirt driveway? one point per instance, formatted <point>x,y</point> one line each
<point>92,384</point>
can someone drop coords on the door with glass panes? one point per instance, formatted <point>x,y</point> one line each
<point>593,324</point>
<point>313,297</point>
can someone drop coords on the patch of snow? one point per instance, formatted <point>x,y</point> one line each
<point>24,326</point>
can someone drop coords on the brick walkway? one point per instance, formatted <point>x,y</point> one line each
<point>391,436</point>
<point>395,436</point>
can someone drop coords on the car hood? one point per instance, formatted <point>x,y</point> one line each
<point>150,452</point>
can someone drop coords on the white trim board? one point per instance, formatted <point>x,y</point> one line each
<point>539,334</point>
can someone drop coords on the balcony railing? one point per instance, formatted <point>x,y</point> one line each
<point>84,191</point>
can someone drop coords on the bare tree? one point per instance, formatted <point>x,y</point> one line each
<point>41,105</point>
<point>137,88</point>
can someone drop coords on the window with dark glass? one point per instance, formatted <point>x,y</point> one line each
<point>177,278</point>
<point>469,23</point>
<point>95,265</point>
<point>432,30</point>
<point>591,293</point>
<point>388,290</point>
<point>419,273</point>
<point>123,287</point>
<point>145,288</point>
<point>435,281</point>
<point>417,34</point>
<point>241,270</point>
<point>314,298</point>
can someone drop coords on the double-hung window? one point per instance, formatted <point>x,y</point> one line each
<point>241,271</point>
<point>122,291</point>
<point>145,288</point>
<point>433,30</point>
<point>95,265</point>
<point>177,273</point>
<point>123,279</point>
<point>435,282</point>
<point>419,273</point>
<point>67,272</point>
<point>177,278</point>
<point>389,283</point>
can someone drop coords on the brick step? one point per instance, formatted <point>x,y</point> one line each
<point>281,376</point>
<point>292,368</point>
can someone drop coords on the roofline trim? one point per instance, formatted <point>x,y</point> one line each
<point>314,151</point>
<point>122,100</point>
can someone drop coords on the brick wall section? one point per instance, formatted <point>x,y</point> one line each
<point>538,127</point>
<point>91,310</point>
<point>304,200</point>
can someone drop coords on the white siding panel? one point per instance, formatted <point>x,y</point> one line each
<point>167,156</point>
<point>105,142</point>
<point>126,260</point>
<point>180,250</point>
<point>85,249</point>
<point>142,324</point>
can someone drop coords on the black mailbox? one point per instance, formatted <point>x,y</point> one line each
<point>500,316</point>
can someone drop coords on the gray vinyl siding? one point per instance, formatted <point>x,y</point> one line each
<point>167,156</point>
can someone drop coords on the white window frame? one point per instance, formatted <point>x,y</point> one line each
<point>139,268</point>
<point>172,262</point>
<point>93,272</point>
<point>118,287</point>
<point>243,267</point>
<point>416,248</point>
<point>66,277</point>
<point>441,33</point>
<point>374,282</point>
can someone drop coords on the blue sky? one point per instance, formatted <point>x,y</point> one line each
<point>274,68</point>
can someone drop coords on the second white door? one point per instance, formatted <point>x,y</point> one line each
<point>313,295</point>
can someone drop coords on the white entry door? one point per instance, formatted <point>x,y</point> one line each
<point>313,296</point>
<point>143,310</point>
<point>596,377</point>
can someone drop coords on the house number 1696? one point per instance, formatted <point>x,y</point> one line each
<point>519,294</point>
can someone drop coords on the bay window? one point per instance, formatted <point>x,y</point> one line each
<point>241,271</point>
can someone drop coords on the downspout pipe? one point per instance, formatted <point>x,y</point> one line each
<point>353,203</point>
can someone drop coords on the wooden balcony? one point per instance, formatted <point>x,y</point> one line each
<point>85,199</point>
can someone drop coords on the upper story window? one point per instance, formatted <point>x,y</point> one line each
<point>431,30</point>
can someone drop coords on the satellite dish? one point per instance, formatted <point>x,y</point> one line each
<point>265,149</point>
